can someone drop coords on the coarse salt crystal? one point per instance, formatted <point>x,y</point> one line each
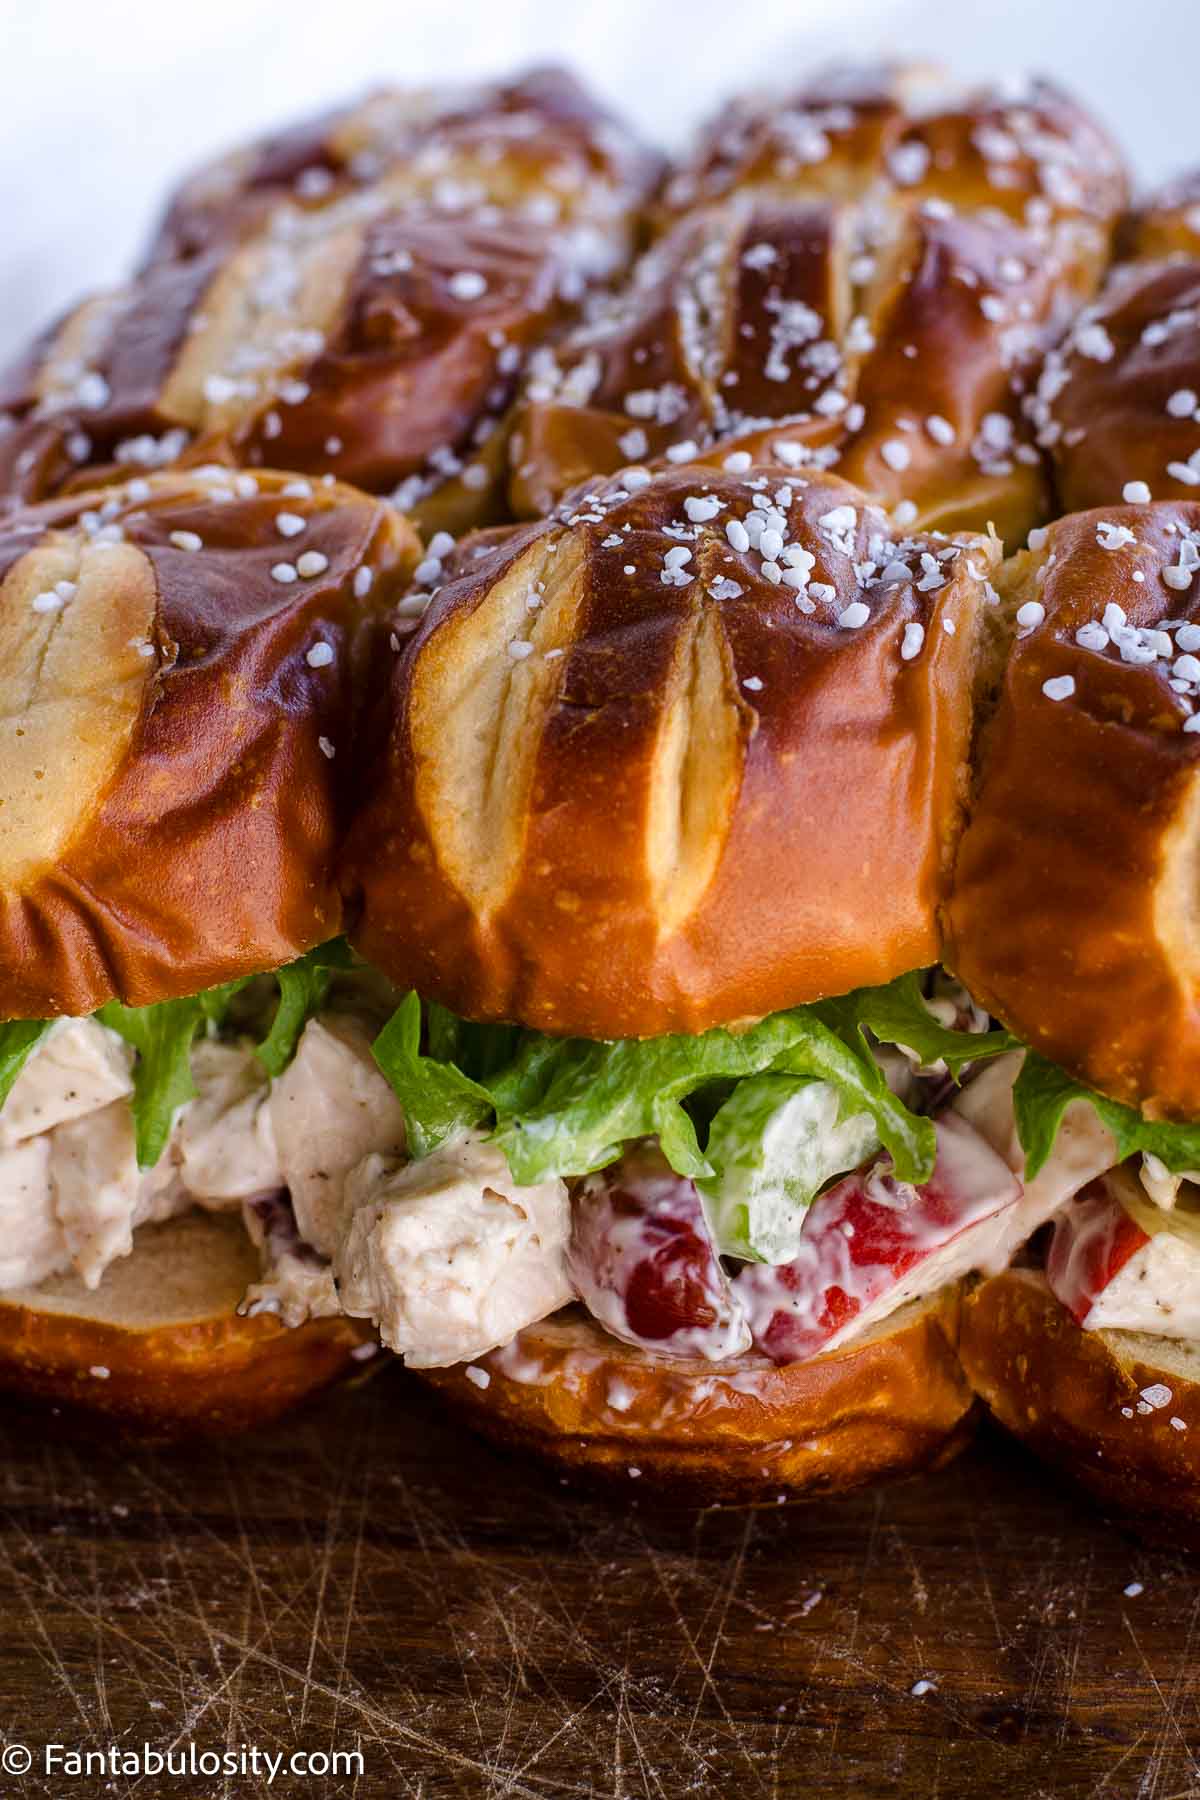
<point>701,507</point>
<point>467,284</point>
<point>914,637</point>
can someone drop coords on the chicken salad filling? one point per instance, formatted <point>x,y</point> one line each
<point>776,1189</point>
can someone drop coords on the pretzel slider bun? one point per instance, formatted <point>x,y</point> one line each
<point>536,147</point>
<point>911,134</point>
<point>1072,916</point>
<point>367,343</point>
<point>691,750</point>
<point>1117,402</point>
<point>183,664</point>
<point>884,342</point>
<point>860,275</point>
<point>160,1345</point>
<point>1118,1411</point>
<point>893,1401</point>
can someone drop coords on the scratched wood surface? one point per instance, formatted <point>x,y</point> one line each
<point>367,1577</point>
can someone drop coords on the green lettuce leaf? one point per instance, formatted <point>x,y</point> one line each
<point>162,1035</point>
<point>1041,1095</point>
<point>303,985</point>
<point>438,1099</point>
<point>897,1014</point>
<point>566,1106</point>
<point>774,1144</point>
<point>19,1038</point>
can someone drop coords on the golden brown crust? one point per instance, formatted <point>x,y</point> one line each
<point>379,347</point>
<point>1112,403</point>
<point>1166,223</point>
<point>1038,160</point>
<point>1072,913</point>
<point>1075,1397</point>
<point>160,1346</point>
<point>879,339</point>
<point>538,145</point>
<point>618,749</point>
<point>182,729</point>
<point>890,1403</point>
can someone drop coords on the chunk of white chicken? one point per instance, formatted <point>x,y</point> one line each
<point>32,1242</point>
<point>329,1108</point>
<point>79,1067</point>
<point>1083,1149</point>
<point>225,1139</point>
<point>100,1194</point>
<point>448,1255</point>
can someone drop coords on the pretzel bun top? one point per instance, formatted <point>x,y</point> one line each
<point>889,342</point>
<point>1034,158</point>
<point>1119,401</point>
<point>378,347</point>
<point>538,147</point>
<point>1167,222</point>
<point>1073,910</point>
<point>642,780</point>
<point>181,688</point>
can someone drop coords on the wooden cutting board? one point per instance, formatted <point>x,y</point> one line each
<point>368,1578</point>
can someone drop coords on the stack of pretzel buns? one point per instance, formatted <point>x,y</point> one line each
<point>599,790</point>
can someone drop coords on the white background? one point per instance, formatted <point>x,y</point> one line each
<point>104,102</point>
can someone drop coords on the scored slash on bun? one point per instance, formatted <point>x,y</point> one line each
<point>892,1402</point>
<point>885,340</point>
<point>859,273</point>
<point>377,347</point>
<point>1073,910</point>
<point>181,694</point>
<point>161,1346</point>
<point>354,297</point>
<point>1076,1397</point>
<point>643,781</point>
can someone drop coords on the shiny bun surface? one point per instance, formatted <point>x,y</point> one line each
<point>185,664</point>
<point>692,750</point>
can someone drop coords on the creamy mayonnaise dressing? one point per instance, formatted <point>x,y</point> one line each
<point>450,1258</point>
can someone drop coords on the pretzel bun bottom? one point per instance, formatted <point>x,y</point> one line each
<point>160,1346</point>
<point>890,1403</point>
<point>1075,1398</point>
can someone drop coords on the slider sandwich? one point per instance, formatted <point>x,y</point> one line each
<point>703,973</point>
<point>186,662</point>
